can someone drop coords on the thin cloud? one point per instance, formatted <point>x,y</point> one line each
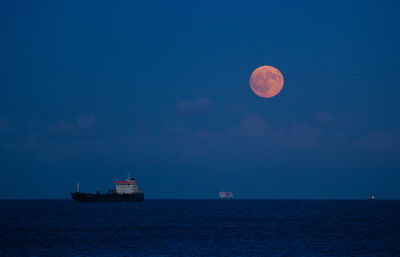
<point>323,118</point>
<point>200,105</point>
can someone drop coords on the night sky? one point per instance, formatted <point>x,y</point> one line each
<point>91,90</point>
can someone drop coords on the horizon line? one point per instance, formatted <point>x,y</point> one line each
<point>306,199</point>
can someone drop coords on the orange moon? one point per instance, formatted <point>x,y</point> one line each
<point>266,81</point>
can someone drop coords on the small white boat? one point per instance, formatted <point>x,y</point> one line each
<point>225,195</point>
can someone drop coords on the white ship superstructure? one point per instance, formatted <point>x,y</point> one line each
<point>126,187</point>
<point>225,195</point>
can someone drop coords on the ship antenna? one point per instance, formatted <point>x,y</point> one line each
<point>128,176</point>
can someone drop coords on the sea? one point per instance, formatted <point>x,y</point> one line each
<point>200,228</point>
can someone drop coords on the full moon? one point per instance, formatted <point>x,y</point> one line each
<point>266,81</point>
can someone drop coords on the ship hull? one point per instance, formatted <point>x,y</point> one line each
<point>85,197</point>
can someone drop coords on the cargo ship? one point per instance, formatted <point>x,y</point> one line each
<point>225,195</point>
<point>125,191</point>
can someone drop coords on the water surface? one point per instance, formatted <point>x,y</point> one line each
<point>200,228</point>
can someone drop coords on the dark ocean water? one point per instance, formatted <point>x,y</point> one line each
<point>200,228</point>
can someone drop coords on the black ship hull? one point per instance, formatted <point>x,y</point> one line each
<point>85,197</point>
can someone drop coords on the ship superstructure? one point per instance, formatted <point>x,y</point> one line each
<point>125,191</point>
<point>126,187</point>
<point>225,195</point>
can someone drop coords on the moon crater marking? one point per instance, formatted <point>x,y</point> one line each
<point>266,81</point>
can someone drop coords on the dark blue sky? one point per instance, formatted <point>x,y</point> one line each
<point>91,90</point>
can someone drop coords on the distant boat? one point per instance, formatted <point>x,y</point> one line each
<point>225,195</point>
<point>371,197</point>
